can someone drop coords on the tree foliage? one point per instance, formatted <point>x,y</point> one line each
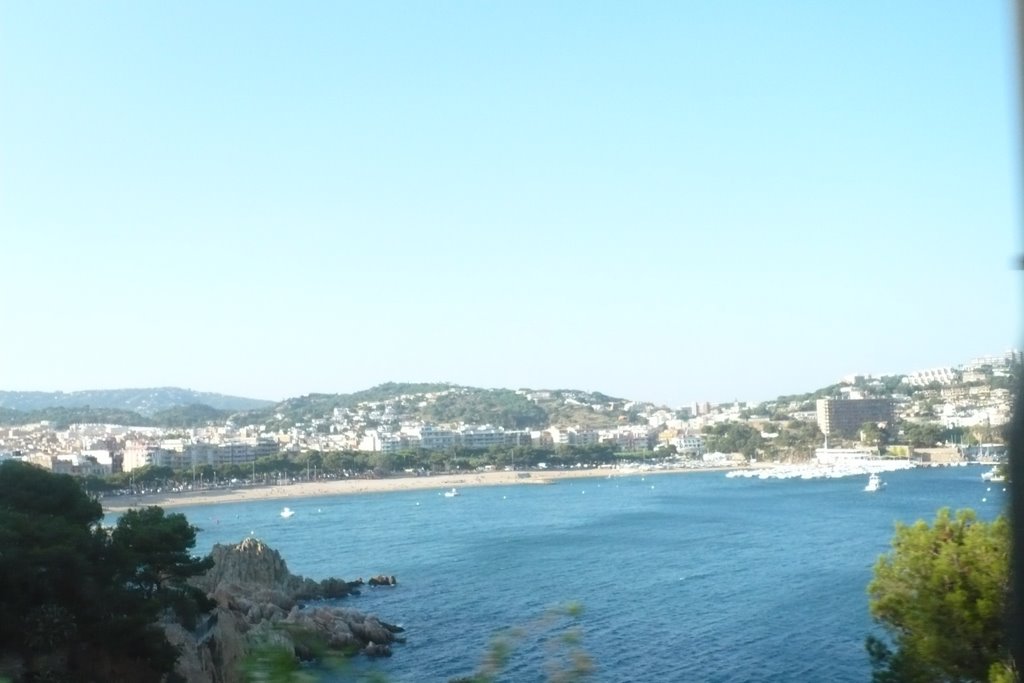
<point>797,440</point>
<point>340,464</point>
<point>873,435</point>
<point>733,437</point>
<point>311,406</point>
<point>559,632</point>
<point>151,552</point>
<point>78,602</point>
<point>143,401</point>
<point>61,417</point>
<point>940,596</point>
<point>831,391</point>
<point>456,404</point>
<point>924,434</point>
<point>499,407</point>
<point>194,415</point>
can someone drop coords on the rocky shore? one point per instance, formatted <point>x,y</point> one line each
<point>260,604</point>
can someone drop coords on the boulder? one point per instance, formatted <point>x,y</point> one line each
<point>252,566</point>
<point>377,650</point>
<point>260,603</point>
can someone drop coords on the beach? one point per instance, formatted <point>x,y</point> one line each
<point>340,487</point>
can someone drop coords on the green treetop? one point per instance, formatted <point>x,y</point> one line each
<point>79,602</point>
<point>940,596</point>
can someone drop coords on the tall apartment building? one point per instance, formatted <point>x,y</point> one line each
<point>846,416</point>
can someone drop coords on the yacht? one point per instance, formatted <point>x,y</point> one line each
<point>451,494</point>
<point>875,483</point>
<point>287,512</point>
<point>993,475</point>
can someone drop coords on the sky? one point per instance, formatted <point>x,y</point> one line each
<point>666,201</point>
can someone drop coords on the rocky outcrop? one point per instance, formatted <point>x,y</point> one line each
<point>259,603</point>
<point>256,571</point>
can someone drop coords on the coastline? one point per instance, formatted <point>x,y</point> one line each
<point>342,487</point>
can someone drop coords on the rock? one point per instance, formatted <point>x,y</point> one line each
<point>336,588</point>
<point>367,628</point>
<point>377,650</point>
<point>264,612</point>
<point>278,598</point>
<point>195,663</point>
<point>214,651</point>
<point>259,603</point>
<point>228,644</point>
<point>250,564</point>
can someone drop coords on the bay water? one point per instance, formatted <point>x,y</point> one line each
<point>680,577</point>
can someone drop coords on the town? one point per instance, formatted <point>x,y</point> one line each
<point>958,412</point>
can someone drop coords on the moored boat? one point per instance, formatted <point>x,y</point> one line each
<point>993,474</point>
<point>875,483</point>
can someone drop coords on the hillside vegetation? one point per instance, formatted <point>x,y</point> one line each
<point>428,402</point>
<point>454,404</point>
<point>61,418</point>
<point>145,402</point>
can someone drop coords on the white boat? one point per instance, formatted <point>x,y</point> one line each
<point>875,483</point>
<point>993,475</point>
<point>287,512</point>
<point>451,494</point>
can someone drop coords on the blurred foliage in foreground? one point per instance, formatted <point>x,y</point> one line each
<point>557,631</point>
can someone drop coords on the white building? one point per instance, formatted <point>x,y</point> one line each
<point>79,465</point>
<point>629,438</point>
<point>435,439</point>
<point>835,456</point>
<point>994,362</point>
<point>688,444</point>
<point>395,443</point>
<point>922,378</point>
<point>141,454</point>
<point>486,436</point>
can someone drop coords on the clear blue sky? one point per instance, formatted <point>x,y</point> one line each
<point>660,200</point>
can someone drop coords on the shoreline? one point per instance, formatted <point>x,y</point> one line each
<point>343,487</point>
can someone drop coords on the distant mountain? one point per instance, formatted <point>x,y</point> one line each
<point>145,402</point>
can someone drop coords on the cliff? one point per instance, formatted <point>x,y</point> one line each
<point>260,603</point>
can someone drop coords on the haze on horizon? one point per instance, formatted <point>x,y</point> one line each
<point>662,201</point>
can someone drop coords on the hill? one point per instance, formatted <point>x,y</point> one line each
<point>388,403</point>
<point>452,404</point>
<point>145,402</point>
<point>60,418</point>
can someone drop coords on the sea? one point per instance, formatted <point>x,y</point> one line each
<point>656,577</point>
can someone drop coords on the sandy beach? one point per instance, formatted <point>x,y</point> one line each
<point>341,487</point>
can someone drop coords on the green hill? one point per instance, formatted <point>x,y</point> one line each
<point>145,402</point>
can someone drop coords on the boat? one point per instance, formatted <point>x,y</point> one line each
<point>451,494</point>
<point>875,483</point>
<point>993,475</point>
<point>287,512</point>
